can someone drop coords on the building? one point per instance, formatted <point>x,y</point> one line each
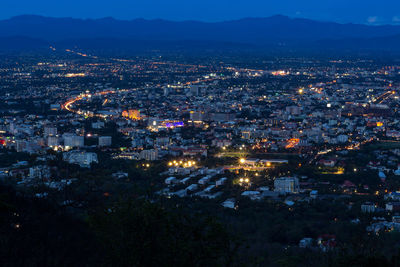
<point>306,242</point>
<point>342,138</point>
<point>221,117</point>
<point>97,125</point>
<point>393,206</point>
<point>204,180</point>
<point>21,145</point>
<point>150,154</point>
<point>314,194</point>
<point>294,110</point>
<point>246,134</point>
<point>55,106</point>
<point>171,180</point>
<point>52,141</point>
<point>132,114</point>
<point>72,140</point>
<point>197,116</point>
<point>286,185</point>
<point>163,141</point>
<point>194,90</point>
<point>39,172</point>
<point>83,159</point>
<point>194,151</point>
<point>221,181</point>
<point>191,188</point>
<point>50,131</point>
<point>105,140</point>
<point>166,91</point>
<point>368,207</point>
<point>229,203</point>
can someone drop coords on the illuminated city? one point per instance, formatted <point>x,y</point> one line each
<point>271,141</point>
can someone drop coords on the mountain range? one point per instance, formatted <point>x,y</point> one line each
<point>31,31</point>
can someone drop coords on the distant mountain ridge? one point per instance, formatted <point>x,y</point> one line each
<point>270,31</point>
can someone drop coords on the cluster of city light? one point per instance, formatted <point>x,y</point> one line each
<point>182,163</point>
<point>280,73</point>
<point>60,148</point>
<point>292,143</point>
<point>244,181</point>
<point>243,161</point>
<point>131,114</point>
<point>73,75</point>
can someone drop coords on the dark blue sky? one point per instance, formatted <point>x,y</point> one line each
<point>358,11</point>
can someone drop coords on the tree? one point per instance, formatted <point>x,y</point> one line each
<point>140,233</point>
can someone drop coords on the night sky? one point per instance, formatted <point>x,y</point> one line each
<point>356,11</point>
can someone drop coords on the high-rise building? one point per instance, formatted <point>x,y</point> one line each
<point>52,141</point>
<point>71,140</point>
<point>105,140</point>
<point>97,125</point>
<point>286,185</point>
<point>197,116</point>
<point>150,154</point>
<point>220,117</point>
<point>50,131</point>
<point>84,159</point>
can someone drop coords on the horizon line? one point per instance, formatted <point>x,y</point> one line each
<point>198,20</point>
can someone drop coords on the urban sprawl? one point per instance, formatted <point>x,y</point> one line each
<point>290,133</point>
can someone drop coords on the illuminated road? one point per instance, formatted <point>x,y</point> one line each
<point>67,105</point>
<point>246,168</point>
<point>86,55</point>
<point>384,96</point>
<point>292,143</point>
<point>355,146</point>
